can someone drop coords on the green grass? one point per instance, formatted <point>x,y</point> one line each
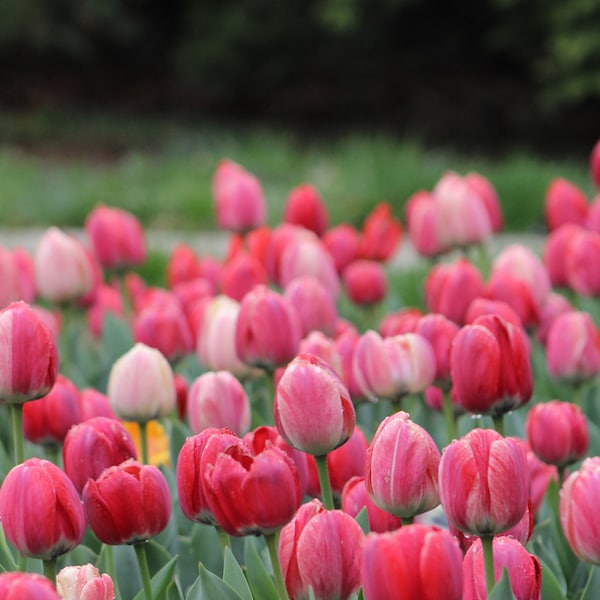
<point>54,168</point>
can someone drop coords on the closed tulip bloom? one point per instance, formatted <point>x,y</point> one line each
<point>17,274</point>
<point>268,330</point>
<point>555,305</point>
<point>241,274</point>
<point>28,355</point>
<point>402,467</point>
<point>324,347</point>
<point>490,366</point>
<point>346,345</point>
<point>48,420</point>
<point>26,586</point>
<point>355,498</point>
<point>95,404</point>
<point>593,220</point>
<point>440,332</point>
<point>485,190</point>
<point>524,570</point>
<point>393,367</point>
<point>343,243</point>
<point>309,387</point>
<point>117,237</point>
<point>582,258</point>
<point>423,226</point>
<point>238,198</point>
<point>573,347</point>
<point>483,482</point>
<point>415,562</point>
<point>579,514</point>
<point>484,306</point>
<point>107,299</point>
<point>64,270</point>
<point>564,203</point>
<point>217,399</point>
<point>450,288</point>
<point>94,445</point>
<point>283,236</point>
<point>84,583</point>
<point>557,432</point>
<point>381,234</point>
<point>365,282</point>
<point>556,250</point>
<point>141,385</point>
<point>305,207</point>
<point>314,304</point>
<point>540,476</point>
<point>128,503</point>
<point>401,321</point>
<point>40,510</point>
<point>321,549</point>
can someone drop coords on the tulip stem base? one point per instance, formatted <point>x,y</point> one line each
<point>140,552</point>
<point>50,569</point>
<point>487,542</point>
<point>16,415</point>
<point>272,545</point>
<point>224,539</point>
<point>499,424</point>
<point>144,441</point>
<point>324,481</point>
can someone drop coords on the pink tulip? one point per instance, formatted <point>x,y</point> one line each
<point>324,347</point>
<point>26,586</point>
<point>564,203</point>
<point>238,198</point>
<point>84,583</point>
<point>381,234</point>
<point>365,282</point>
<point>95,404</point>
<point>581,263</point>
<point>554,306</point>
<point>182,265</point>
<point>241,274</point>
<point>346,345</point>
<point>283,236</point>
<point>343,243</point>
<point>483,306</point>
<point>540,475</point>
<point>556,250</point>
<point>403,320</point>
<point>313,303</point>
<point>305,207</point>
<point>483,482</point>
<point>485,190</point>
<point>439,331</point>
<point>17,273</point>
<point>107,299</point>
<point>422,224</point>
<point>593,219</point>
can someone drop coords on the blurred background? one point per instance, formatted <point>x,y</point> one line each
<point>133,102</point>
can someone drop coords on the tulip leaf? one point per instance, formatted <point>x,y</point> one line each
<point>116,335</point>
<point>592,588</point>
<point>7,561</point>
<point>160,582</point>
<point>210,587</point>
<point>234,576</point>
<point>157,556</point>
<point>259,578</point>
<point>362,518</point>
<point>551,586</point>
<point>502,590</point>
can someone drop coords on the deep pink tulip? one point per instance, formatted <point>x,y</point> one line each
<point>40,510</point>
<point>555,305</point>
<point>490,366</point>
<point>48,420</point>
<point>305,207</point>
<point>381,234</point>
<point>117,237</point>
<point>343,243</point>
<point>483,306</point>
<point>241,274</point>
<point>595,164</point>
<point>64,270</point>
<point>323,549</point>
<point>564,203</point>
<point>141,385</point>
<point>593,220</point>
<point>84,583</point>
<point>485,190</point>
<point>402,467</point>
<point>573,347</point>
<point>17,274</point>
<point>355,498</point>
<point>95,404</point>
<point>94,445</point>
<point>283,236</point>
<point>401,321</point>
<point>579,515</point>
<point>393,367</point>
<point>422,224</point>
<point>52,318</point>
<point>450,288</point>
<point>26,586</point>
<point>582,259</point>
<point>28,355</point>
<point>540,475</point>
<point>314,304</point>
<point>557,432</point>
<point>128,503</point>
<point>238,198</point>
<point>251,493</point>
<point>192,291</point>
<point>107,299</point>
<point>524,570</point>
<point>556,250</point>
<point>483,482</point>
<point>182,265</point>
<point>309,387</point>
<point>346,345</point>
<point>268,330</point>
<point>415,562</point>
<point>439,331</point>
<point>320,345</point>
<point>217,399</point>
<point>365,282</point>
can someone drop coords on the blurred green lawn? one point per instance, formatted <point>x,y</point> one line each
<point>55,167</point>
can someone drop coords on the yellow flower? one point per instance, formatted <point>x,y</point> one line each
<point>158,442</point>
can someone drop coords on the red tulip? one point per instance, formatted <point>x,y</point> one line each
<point>182,265</point>
<point>402,467</point>
<point>28,356</point>
<point>309,387</point>
<point>582,258</point>
<point>94,445</point>
<point>483,482</point>
<point>40,510</point>
<point>365,282</point>
<point>26,586</point>
<point>241,274</point>
<point>343,243</point>
<point>415,562</point>
<point>439,331</point>
<point>381,234</point>
<point>556,250</point>
<point>95,404</point>
<point>117,237</point>
<point>401,321</point>
<point>305,207</point>
<point>128,503</point>
<point>564,203</point>
<point>84,583</point>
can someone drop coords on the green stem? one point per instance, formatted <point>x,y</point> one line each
<point>269,397</point>
<point>140,552</point>
<point>272,545</point>
<point>323,471</point>
<point>110,562</point>
<point>16,414</point>
<point>224,539</point>
<point>52,452</point>
<point>144,441</point>
<point>396,405</point>
<point>588,583</point>
<point>50,569</point>
<point>451,428</point>
<point>407,521</point>
<point>499,424</point>
<point>487,542</point>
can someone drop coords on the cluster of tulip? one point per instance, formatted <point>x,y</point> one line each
<point>235,434</point>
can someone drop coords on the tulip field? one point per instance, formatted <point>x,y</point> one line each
<point>301,418</point>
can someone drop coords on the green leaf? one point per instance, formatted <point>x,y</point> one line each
<point>592,588</point>
<point>160,582</point>
<point>362,518</point>
<point>259,578</point>
<point>234,576</point>
<point>116,334</point>
<point>210,587</point>
<point>502,590</point>
<point>551,586</point>
<point>7,561</point>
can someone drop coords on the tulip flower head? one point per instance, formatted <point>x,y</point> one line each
<point>84,583</point>
<point>26,586</point>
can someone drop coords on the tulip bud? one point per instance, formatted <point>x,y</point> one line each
<point>17,275</point>
<point>241,274</point>
<point>107,299</point>
<point>343,243</point>
<point>440,332</point>
<point>423,227</point>
<point>313,303</point>
<point>26,586</point>
<point>40,510</point>
<point>381,234</point>
<point>564,203</point>
<point>141,385</point>
<point>84,583</point>
<point>581,262</point>
<point>365,282</point>
<point>305,207</point>
<point>309,387</point>
<point>128,503</point>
